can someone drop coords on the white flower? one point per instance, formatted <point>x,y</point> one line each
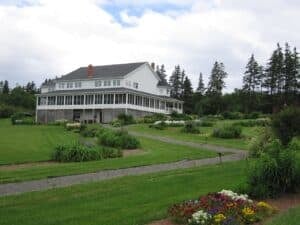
<point>235,196</point>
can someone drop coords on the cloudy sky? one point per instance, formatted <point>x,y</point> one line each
<point>45,38</point>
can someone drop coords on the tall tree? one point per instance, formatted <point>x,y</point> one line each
<point>201,87</point>
<point>251,75</point>
<point>176,82</point>
<point>5,89</point>
<point>216,81</point>
<point>296,73</point>
<point>187,95</point>
<point>30,87</point>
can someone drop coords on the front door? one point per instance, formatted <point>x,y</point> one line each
<point>76,115</point>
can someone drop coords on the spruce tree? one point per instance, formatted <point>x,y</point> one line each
<point>5,89</point>
<point>176,82</point>
<point>201,87</point>
<point>187,95</point>
<point>216,81</point>
<point>251,76</point>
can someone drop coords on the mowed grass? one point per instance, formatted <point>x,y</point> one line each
<point>124,201</point>
<point>152,152</point>
<point>30,143</point>
<point>203,137</point>
<point>291,217</point>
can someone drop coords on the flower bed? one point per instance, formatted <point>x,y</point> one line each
<point>221,208</point>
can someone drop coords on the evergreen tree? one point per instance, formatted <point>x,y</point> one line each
<point>175,82</point>
<point>251,76</point>
<point>187,95</point>
<point>296,73</point>
<point>5,89</point>
<point>30,87</point>
<point>201,87</point>
<point>216,81</point>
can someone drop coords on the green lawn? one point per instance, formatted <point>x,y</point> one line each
<point>291,217</point>
<point>24,143</point>
<point>124,201</point>
<point>203,137</point>
<point>153,152</point>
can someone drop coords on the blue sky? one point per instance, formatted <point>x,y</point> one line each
<point>46,38</point>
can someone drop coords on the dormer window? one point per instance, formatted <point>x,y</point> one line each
<point>136,85</point>
<point>107,83</point>
<point>61,85</point>
<point>116,82</point>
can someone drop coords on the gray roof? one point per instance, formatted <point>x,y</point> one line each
<point>105,71</point>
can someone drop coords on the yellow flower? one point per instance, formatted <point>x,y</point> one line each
<point>247,211</point>
<point>219,218</point>
<point>264,205</point>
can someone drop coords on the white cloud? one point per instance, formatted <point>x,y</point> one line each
<point>54,37</point>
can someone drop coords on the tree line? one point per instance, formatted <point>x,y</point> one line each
<point>265,89</point>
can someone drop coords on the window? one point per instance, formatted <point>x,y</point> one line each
<point>69,85</point>
<point>69,100</point>
<point>89,99</point>
<point>138,100</point>
<point>61,85</point>
<point>157,104</point>
<point>77,84</point>
<point>179,105</point>
<point>107,83</point>
<point>51,88</point>
<point>78,99</point>
<point>60,100</point>
<point>168,91</point>
<point>162,105</point>
<point>51,100</point>
<point>42,101</point>
<point>146,102</point>
<point>131,99</point>
<point>136,85</point>
<point>98,83</point>
<point>98,99</point>
<point>120,99</point>
<point>116,82</point>
<point>152,103</point>
<point>108,98</point>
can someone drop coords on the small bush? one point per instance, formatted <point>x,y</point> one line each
<point>153,118</point>
<point>160,125</point>
<point>89,132</point>
<point>74,126</point>
<point>6,111</point>
<point>252,123</point>
<point>190,127</point>
<point>206,123</point>
<point>22,118</point>
<point>180,116</point>
<point>286,124</point>
<point>275,172</point>
<point>125,119</point>
<point>258,144</point>
<point>117,139</point>
<point>80,153</point>
<point>227,131</point>
<point>253,115</point>
<point>232,115</point>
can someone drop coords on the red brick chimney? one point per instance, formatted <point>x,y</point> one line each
<point>90,71</point>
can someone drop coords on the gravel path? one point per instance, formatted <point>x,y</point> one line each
<point>44,184</point>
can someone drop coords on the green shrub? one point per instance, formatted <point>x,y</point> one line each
<point>153,118</point>
<point>275,172</point>
<point>227,131</point>
<point>286,124</point>
<point>252,115</point>
<point>263,122</point>
<point>190,127</point>
<point>80,153</point>
<point>180,116</point>
<point>22,118</point>
<point>6,111</point>
<point>116,123</point>
<point>125,119</point>
<point>89,132</point>
<point>206,123</point>
<point>117,139</point>
<point>75,126</point>
<point>159,126</point>
<point>232,115</point>
<point>258,144</point>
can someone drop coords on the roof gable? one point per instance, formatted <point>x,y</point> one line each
<point>105,71</point>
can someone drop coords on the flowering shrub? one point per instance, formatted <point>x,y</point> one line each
<point>221,208</point>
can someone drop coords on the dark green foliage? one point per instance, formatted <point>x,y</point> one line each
<point>6,111</point>
<point>180,116</point>
<point>125,119</point>
<point>206,123</point>
<point>80,153</point>
<point>190,127</point>
<point>252,115</point>
<point>258,144</point>
<point>117,139</point>
<point>275,172</point>
<point>232,115</point>
<point>153,118</point>
<point>159,126</point>
<point>253,123</point>
<point>22,119</point>
<point>286,124</point>
<point>89,132</point>
<point>227,131</point>
<point>187,95</point>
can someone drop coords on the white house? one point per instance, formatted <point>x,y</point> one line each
<point>101,93</point>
